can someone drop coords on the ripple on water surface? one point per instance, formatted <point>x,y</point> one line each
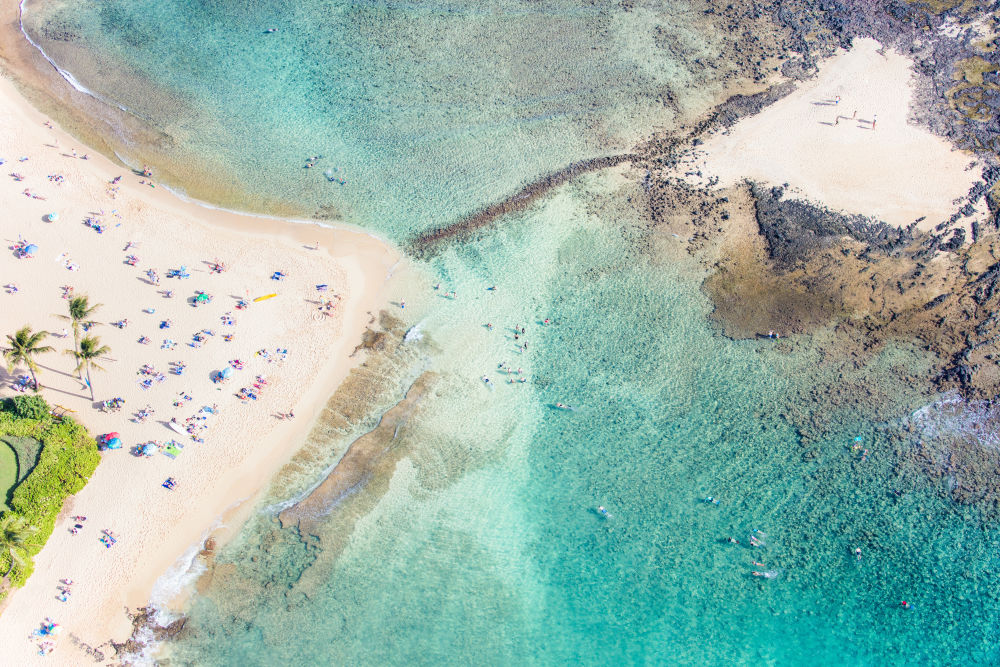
<point>484,540</point>
<point>427,110</point>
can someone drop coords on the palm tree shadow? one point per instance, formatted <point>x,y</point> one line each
<point>53,370</point>
<point>42,386</point>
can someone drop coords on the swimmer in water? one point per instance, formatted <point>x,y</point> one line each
<point>732,540</point>
<point>758,564</point>
<point>603,512</point>
<point>710,500</point>
<point>857,553</point>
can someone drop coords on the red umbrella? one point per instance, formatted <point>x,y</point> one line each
<point>112,435</point>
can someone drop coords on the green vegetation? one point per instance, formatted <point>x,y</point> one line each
<point>24,347</point>
<point>80,312</point>
<point>17,538</point>
<point>8,474</point>
<point>27,407</point>
<point>67,459</point>
<point>26,451</point>
<point>90,349</point>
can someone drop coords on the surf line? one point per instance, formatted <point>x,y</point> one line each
<point>428,243</point>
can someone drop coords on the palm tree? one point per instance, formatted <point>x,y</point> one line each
<point>90,349</point>
<point>15,539</point>
<point>80,312</point>
<point>24,345</point>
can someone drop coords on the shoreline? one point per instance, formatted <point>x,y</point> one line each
<point>243,506</point>
<point>364,263</point>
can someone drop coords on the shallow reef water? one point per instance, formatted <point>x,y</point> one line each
<point>477,536</point>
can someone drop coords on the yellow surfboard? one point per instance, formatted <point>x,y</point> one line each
<point>264,298</point>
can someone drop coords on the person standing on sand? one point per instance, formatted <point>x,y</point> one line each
<point>874,120</point>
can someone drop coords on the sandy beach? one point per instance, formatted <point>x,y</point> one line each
<point>246,439</point>
<point>845,140</point>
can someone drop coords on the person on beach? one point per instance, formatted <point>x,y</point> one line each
<point>874,120</point>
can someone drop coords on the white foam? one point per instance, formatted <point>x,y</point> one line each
<point>180,194</point>
<point>279,507</point>
<point>414,333</point>
<point>70,79</point>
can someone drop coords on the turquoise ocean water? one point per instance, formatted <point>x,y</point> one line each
<point>483,544</point>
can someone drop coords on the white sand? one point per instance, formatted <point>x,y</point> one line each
<point>245,443</point>
<point>897,171</point>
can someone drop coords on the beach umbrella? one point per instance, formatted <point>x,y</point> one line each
<point>114,443</point>
<point>201,297</point>
<point>227,372</point>
<point>52,217</point>
<point>148,449</point>
<point>113,434</point>
<point>31,248</point>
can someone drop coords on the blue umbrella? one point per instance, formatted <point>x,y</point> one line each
<point>227,372</point>
<point>31,248</point>
<point>149,449</point>
<point>114,443</point>
<point>52,217</point>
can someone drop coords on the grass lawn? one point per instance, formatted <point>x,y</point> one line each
<point>8,473</point>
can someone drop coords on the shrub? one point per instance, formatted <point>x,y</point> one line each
<point>27,406</point>
<point>67,460</point>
